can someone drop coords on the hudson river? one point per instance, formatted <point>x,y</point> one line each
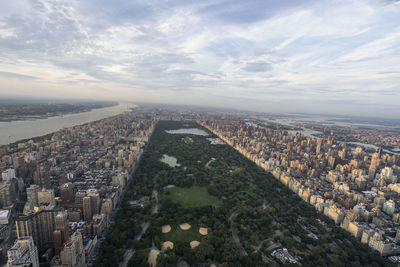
<point>17,130</point>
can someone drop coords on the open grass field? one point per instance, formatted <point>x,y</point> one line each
<point>195,196</point>
<point>177,234</point>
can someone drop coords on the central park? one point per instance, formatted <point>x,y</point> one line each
<point>202,202</point>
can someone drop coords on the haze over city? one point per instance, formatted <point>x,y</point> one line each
<point>337,57</point>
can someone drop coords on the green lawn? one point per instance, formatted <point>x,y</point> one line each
<point>177,234</point>
<point>194,196</point>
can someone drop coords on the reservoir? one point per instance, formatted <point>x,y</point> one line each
<point>17,130</point>
<point>194,131</point>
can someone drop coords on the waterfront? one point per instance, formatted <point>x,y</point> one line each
<point>18,130</point>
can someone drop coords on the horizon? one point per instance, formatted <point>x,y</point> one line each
<point>334,58</point>
<point>218,108</point>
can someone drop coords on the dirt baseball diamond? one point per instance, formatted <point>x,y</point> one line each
<point>166,245</point>
<point>185,226</point>
<point>203,231</point>
<point>194,244</point>
<point>165,229</point>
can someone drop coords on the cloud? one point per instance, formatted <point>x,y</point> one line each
<point>250,12</point>
<point>16,76</point>
<point>258,66</point>
<point>205,50</point>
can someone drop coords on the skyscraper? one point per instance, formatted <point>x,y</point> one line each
<point>375,162</point>
<point>319,144</point>
<point>19,166</point>
<point>95,199</point>
<point>46,196</point>
<point>87,209</point>
<point>23,253</point>
<point>79,199</point>
<point>73,253</point>
<point>7,193</point>
<point>41,175</point>
<point>31,193</point>
<point>39,226</point>
<point>61,232</point>
<point>67,193</point>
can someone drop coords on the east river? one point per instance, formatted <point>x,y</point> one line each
<point>18,130</point>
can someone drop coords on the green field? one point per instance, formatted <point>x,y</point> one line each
<point>195,196</point>
<point>177,234</point>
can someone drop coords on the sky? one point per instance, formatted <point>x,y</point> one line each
<point>334,57</point>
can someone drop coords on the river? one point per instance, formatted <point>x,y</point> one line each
<point>18,130</point>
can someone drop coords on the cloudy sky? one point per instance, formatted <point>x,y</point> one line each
<point>296,55</point>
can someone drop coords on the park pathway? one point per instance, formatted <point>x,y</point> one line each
<point>127,255</point>
<point>234,235</point>
<point>155,207</point>
<point>209,162</point>
<point>145,225</point>
<point>129,252</point>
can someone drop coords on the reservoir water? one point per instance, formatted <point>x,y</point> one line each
<point>17,130</point>
<point>194,131</point>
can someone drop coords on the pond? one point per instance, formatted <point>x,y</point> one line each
<point>195,131</point>
<point>171,161</point>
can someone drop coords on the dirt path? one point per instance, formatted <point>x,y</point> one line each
<point>127,256</point>
<point>155,207</point>
<point>129,252</point>
<point>234,235</point>
<point>145,225</point>
<point>209,162</point>
<point>260,244</point>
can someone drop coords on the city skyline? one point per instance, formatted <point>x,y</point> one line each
<point>334,57</point>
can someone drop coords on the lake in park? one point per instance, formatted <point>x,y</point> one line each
<point>171,161</point>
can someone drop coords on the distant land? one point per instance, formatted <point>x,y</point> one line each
<point>14,109</point>
<point>331,118</point>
